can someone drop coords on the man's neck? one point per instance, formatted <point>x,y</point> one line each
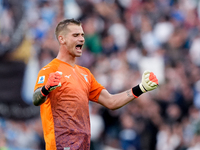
<point>68,59</point>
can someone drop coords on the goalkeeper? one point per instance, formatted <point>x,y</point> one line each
<point>63,90</point>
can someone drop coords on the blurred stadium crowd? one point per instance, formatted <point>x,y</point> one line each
<point>122,39</point>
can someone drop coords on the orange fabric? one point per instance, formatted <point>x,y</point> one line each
<point>65,113</point>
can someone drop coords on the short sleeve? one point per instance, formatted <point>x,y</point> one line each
<point>95,89</point>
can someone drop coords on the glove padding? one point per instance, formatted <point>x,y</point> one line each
<point>53,81</point>
<point>149,81</point>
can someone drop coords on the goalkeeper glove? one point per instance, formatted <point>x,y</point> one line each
<point>149,82</point>
<point>52,83</point>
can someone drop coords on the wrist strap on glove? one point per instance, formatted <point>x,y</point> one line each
<point>44,91</point>
<point>136,91</point>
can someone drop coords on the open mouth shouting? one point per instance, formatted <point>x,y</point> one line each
<point>79,47</point>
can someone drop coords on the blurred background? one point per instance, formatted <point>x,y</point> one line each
<point>122,39</point>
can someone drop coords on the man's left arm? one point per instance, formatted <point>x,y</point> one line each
<point>114,101</point>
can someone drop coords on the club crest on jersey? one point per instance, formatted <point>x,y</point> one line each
<point>41,79</point>
<point>85,77</point>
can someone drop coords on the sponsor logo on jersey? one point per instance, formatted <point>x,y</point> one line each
<point>41,79</point>
<point>68,76</point>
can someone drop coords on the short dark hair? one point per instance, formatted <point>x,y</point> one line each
<point>64,23</point>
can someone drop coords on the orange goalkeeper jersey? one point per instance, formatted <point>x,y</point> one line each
<point>65,113</point>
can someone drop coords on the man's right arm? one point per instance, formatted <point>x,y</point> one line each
<point>40,94</point>
<point>38,98</point>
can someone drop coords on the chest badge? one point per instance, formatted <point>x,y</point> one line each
<point>85,77</point>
